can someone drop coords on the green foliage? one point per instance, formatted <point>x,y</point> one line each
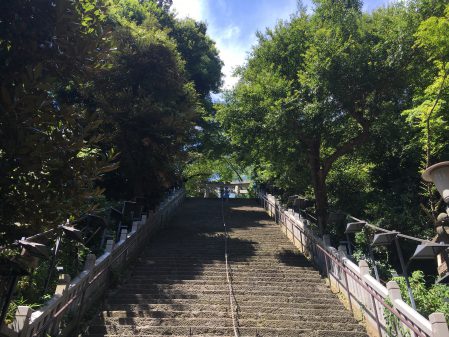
<point>314,91</point>
<point>428,299</point>
<point>429,112</point>
<point>86,84</point>
<point>48,52</point>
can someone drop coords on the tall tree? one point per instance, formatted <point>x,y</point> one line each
<point>49,156</point>
<point>314,89</point>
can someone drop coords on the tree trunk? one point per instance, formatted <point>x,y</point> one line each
<point>320,189</point>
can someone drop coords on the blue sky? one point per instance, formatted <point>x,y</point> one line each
<point>234,23</point>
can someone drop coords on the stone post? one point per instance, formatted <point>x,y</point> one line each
<point>123,234</point>
<point>364,270</point>
<point>135,226</point>
<point>394,291</point>
<point>90,262</point>
<point>326,239</point>
<point>109,246</point>
<point>439,325</point>
<point>342,252</point>
<point>22,318</point>
<point>63,284</point>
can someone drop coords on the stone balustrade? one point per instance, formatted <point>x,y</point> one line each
<point>381,308</point>
<point>62,314</point>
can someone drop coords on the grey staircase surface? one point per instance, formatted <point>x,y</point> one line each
<point>178,285</point>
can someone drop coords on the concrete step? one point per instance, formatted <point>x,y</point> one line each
<point>204,318</point>
<point>211,267</point>
<point>319,290</point>
<point>336,323</point>
<point>294,301</point>
<point>132,330</point>
<point>178,286</point>
<point>220,279</point>
<point>238,278</point>
<point>211,272</point>
<point>250,279</point>
<point>260,332</point>
<point>255,313</point>
<point>254,307</point>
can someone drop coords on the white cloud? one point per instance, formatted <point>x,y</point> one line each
<point>195,9</point>
<point>231,32</point>
<point>233,41</point>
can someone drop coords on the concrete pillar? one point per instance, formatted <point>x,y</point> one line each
<point>22,318</point>
<point>90,262</point>
<point>143,221</point>
<point>394,292</point>
<point>366,298</point>
<point>135,226</point>
<point>326,239</point>
<point>342,252</point>
<point>109,246</point>
<point>123,234</point>
<point>364,268</point>
<point>439,325</point>
<point>63,284</point>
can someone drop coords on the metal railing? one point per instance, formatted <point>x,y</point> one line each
<point>61,315</point>
<point>382,308</point>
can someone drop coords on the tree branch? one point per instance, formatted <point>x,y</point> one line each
<point>344,149</point>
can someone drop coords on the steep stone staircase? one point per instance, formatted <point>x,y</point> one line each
<point>178,286</point>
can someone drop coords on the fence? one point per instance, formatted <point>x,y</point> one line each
<point>62,314</point>
<point>382,308</point>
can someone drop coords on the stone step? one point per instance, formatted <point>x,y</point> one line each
<point>254,307</point>
<point>261,332</point>
<point>274,261</point>
<point>212,267</point>
<point>335,323</point>
<point>133,330</point>
<point>319,290</point>
<point>217,299</point>
<point>243,272</point>
<point>205,317</point>
<point>178,286</point>
<point>250,281</point>
<point>213,278</point>
<point>256,313</point>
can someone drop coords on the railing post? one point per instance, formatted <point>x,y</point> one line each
<point>135,226</point>
<point>394,292</point>
<point>368,298</point>
<point>109,246</point>
<point>123,234</point>
<point>439,325</point>
<point>22,318</point>
<point>364,268</point>
<point>342,252</point>
<point>63,284</point>
<point>89,264</point>
<point>326,239</point>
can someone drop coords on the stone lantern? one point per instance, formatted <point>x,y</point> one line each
<point>439,175</point>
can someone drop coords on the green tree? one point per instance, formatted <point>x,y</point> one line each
<point>430,110</point>
<point>154,95</point>
<point>49,153</point>
<point>314,90</point>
